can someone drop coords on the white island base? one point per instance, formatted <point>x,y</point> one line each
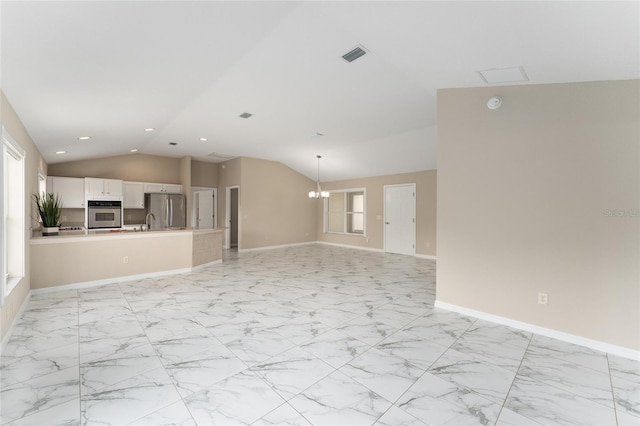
<point>124,256</point>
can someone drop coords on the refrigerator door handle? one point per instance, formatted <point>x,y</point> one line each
<point>166,212</point>
<point>170,212</point>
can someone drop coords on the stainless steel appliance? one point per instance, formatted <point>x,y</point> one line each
<point>168,210</point>
<point>104,214</point>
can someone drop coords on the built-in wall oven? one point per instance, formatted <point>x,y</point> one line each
<point>104,214</point>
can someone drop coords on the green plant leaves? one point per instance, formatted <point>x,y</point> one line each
<point>49,208</point>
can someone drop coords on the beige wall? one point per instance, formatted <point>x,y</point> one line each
<point>185,180</point>
<point>525,197</point>
<point>33,163</point>
<point>274,205</point>
<point>425,210</point>
<point>228,175</point>
<point>77,262</point>
<point>204,174</point>
<point>132,167</point>
<point>93,258</point>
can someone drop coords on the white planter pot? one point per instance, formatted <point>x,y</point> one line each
<point>50,231</point>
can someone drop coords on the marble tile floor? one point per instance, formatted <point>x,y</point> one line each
<point>308,335</point>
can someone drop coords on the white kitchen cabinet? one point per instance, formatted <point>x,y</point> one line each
<point>101,187</point>
<point>133,195</point>
<point>153,187</point>
<point>163,187</point>
<point>70,190</point>
<point>173,189</point>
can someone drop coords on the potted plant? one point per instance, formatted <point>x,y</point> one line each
<point>49,209</point>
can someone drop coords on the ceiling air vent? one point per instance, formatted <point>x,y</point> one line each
<point>503,75</point>
<point>354,54</point>
<point>216,157</point>
<point>245,115</point>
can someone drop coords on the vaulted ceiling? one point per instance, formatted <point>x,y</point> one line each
<point>110,69</point>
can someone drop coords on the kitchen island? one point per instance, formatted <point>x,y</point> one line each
<point>97,258</point>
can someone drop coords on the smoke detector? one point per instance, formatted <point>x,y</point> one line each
<point>494,102</point>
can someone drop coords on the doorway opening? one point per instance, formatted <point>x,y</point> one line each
<point>232,217</point>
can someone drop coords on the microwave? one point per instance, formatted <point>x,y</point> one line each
<point>104,214</point>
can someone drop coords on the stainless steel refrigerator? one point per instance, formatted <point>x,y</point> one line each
<point>169,210</point>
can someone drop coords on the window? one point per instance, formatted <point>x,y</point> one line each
<point>13,214</point>
<point>345,212</point>
<point>42,183</point>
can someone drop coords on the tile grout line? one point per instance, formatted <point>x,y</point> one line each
<point>613,394</point>
<point>506,397</point>
<point>393,403</point>
<point>79,363</point>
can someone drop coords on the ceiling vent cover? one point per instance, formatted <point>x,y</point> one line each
<point>219,158</point>
<point>245,115</point>
<point>504,75</point>
<point>354,54</point>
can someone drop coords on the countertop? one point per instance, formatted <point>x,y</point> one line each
<point>93,235</point>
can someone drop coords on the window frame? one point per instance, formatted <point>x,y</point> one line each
<point>345,212</point>
<point>9,282</point>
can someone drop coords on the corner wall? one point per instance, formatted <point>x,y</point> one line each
<point>274,205</point>
<point>425,211</point>
<point>33,163</point>
<point>543,195</point>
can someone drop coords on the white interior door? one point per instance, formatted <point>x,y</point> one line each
<point>399,219</point>
<point>204,201</point>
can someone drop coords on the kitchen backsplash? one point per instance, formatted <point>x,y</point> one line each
<point>72,217</point>
<point>75,217</point>
<point>133,216</point>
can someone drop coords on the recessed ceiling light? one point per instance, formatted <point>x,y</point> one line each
<point>149,129</point>
<point>245,115</point>
<point>84,138</point>
<point>133,150</point>
<point>203,139</point>
<point>61,152</point>
<point>173,143</point>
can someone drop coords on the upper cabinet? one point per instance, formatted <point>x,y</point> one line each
<point>163,187</point>
<point>100,187</point>
<point>70,190</point>
<point>133,192</point>
<point>133,195</point>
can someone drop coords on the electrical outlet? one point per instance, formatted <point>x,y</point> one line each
<point>543,298</point>
<point>125,259</point>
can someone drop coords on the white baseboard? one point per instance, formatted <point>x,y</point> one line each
<point>375,250</point>
<point>206,265</point>
<point>126,278</point>
<point>548,332</point>
<point>426,256</point>
<point>7,336</point>
<point>241,250</point>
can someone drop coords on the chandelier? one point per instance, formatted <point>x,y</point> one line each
<point>318,193</point>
